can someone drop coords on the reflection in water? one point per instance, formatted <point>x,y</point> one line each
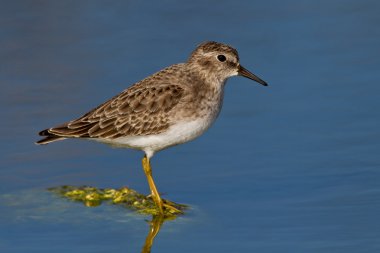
<point>155,226</point>
<point>92,196</point>
<point>39,206</point>
<point>129,198</point>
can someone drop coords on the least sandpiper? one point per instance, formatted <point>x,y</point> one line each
<point>170,107</point>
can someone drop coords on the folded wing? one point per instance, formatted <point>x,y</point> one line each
<point>136,111</point>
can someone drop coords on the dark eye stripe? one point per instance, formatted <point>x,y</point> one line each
<point>232,64</point>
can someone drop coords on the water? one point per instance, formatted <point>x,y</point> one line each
<point>293,167</point>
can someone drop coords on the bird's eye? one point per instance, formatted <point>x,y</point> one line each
<point>221,58</point>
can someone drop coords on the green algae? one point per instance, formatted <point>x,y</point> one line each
<point>126,197</point>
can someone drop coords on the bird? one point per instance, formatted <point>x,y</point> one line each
<point>172,106</point>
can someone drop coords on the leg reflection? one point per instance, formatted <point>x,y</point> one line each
<point>155,226</point>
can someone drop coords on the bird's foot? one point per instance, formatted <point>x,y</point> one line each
<point>168,205</point>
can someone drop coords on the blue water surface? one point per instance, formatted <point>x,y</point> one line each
<point>292,167</point>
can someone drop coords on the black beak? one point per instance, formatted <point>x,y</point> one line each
<point>244,72</point>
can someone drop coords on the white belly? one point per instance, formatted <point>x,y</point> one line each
<point>179,133</point>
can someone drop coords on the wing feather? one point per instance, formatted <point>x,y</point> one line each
<point>136,111</point>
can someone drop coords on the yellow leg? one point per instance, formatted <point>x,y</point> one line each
<point>153,189</point>
<point>155,195</point>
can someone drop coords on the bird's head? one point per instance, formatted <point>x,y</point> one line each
<point>220,61</point>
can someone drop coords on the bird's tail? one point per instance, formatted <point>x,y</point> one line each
<point>72,129</point>
<point>49,137</point>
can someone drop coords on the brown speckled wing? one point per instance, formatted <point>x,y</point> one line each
<point>139,110</point>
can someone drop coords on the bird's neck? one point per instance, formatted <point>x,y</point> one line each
<point>208,87</point>
<point>206,78</point>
